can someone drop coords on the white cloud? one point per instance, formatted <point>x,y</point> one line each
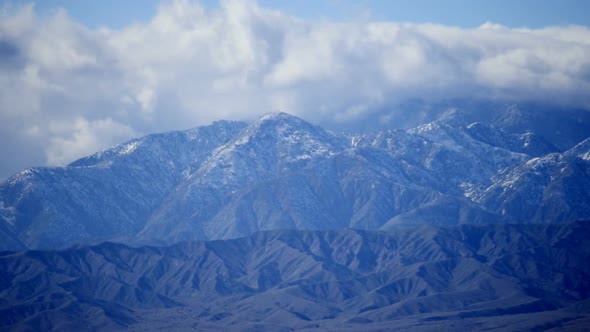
<point>189,66</point>
<point>73,139</point>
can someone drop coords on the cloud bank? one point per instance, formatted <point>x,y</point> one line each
<point>67,90</point>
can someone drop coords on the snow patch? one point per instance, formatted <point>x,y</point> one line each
<point>8,213</point>
<point>129,147</point>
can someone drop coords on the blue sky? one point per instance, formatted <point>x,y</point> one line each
<point>461,13</point>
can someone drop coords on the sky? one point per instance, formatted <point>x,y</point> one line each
<point>79,76</point>
<point>459,13</point>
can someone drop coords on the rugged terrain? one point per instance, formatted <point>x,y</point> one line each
<point>233,179</point>
<point>473,221</point>
<point>472,277</point>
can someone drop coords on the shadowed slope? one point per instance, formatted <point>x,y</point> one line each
<point>320,280</point>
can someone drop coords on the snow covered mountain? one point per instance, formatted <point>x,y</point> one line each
<point>106,195</point>
<point>232,179</point>
<point>274,146</point>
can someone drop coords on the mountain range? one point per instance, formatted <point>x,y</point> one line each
<point>476,220</point>
<point>232,179</point>
<point>423,278</point>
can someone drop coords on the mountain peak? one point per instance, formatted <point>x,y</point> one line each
<point>285,128</point>
<point>274,143</point>
<point>279,116</point>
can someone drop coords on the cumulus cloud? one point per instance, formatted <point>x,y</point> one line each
<point>67,90</point>
<point>71,139</point>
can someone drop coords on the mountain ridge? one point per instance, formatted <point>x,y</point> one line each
<point>231,179</point>
<point>409,278</point>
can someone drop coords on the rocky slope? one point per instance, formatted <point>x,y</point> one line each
<point>487,277</point>
<point>232,179</point>
<point>105,195</point>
